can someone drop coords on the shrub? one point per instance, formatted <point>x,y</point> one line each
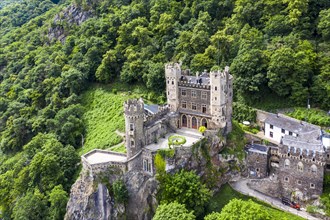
<point>311,209</point>
<point>243,112</point>
<point>119,191</point>
<point>173,211</point>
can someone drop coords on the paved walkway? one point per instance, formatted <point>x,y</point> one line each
<point>241,186</point>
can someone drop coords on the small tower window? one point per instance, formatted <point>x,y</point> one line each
<point>147,165</point>
<point>300,157</point>
<point>184,104</point>
<point>215,98</point>
<point>271,126</point>
<point>193,106</point>
<point>299,182</point>
<point>131,127</point>
<point>271,134</point>
<point>132,143</point>
<point>283,131</point>
<point>193,94</point>
<point>204,108</point>
<point>287,163</point>
<point>183,92</point>
<point>313,168</point>
<point>300,167</point>
<point>215,88</point>
<point>312,186</point>
<point>204,95</point>
<point>290,133</point>
<point>172,82</point>
<point>286,179</point>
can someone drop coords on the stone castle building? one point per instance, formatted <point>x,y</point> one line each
<point>192,101</point>
<point>298,156</point>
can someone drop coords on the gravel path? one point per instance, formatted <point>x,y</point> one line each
<point>241,186</point>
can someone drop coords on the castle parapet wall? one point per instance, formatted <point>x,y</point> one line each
<point>194,85</point>
<point>96,168</point>
<point>304,155</point>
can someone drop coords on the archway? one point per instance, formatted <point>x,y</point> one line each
<point>184,120</point>
<point>194,123</point>
<point>204,122</point>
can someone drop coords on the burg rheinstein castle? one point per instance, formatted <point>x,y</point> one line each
<point>292,163</point>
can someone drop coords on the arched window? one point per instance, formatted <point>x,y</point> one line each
<point>184,120</point>
<point>194,122</point>
<point>204,122</point>
<point>287,163</point>
<point>314,168</point>
<point>300,167</point>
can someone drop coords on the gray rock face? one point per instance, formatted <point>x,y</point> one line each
<point>89,201</point>
<point>72,15</point>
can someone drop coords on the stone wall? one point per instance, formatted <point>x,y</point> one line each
<point>258,166</point>
<point>301,174</point>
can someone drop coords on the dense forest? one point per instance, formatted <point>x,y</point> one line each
<point>51,50</point>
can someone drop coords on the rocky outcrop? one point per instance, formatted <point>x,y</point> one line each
<point>89,200</point>
<point>72,15</point>
<point>142,191</point>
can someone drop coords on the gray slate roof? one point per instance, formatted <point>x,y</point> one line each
<point>293,125</point>
<point>258,148</point>
<point>297,142</point>
<point>152,109</point>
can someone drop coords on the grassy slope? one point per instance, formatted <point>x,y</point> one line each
<point>104,114</point>
<point>226,193</point>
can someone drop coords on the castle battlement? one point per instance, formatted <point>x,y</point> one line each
<point>134,107</point>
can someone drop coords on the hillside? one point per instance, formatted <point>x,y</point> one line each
<point>51,51</point>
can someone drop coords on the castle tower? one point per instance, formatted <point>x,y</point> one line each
<point>134,117</point>
<point>172,74</point>
<point>219,94</point>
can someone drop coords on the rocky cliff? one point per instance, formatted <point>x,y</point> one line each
<point>90,197</point>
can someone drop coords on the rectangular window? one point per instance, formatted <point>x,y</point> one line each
<point>131,127</point>
<point>204,95</point>
<point>147,165</point>
<point>271,126</point>
<point>204,108</point>
<point>184,104</point>
<point>283,131</point>
<point>271,134</point>
<point>183,92</point>
<point>290,133</point>
<point>193,106</point>
<point>193,94</point>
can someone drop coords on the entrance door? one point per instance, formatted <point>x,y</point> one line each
<point>194,123</point>
<point>184,121</point>
<point>204,123</point>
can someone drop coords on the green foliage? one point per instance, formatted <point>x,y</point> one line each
<point>160,165</point>
<point>226,194</point>
<point>58,199</point>
<point>166,153</point>
<point>202,129</point>
<point>173,211</point>
<point>120,191</point>
<point>186,188</point>
<point>314,116</point>
<point>243,112</point>
<point>235,142</point>
<point>311,209</point>
<point>237,208</point>
<point>176,140</point>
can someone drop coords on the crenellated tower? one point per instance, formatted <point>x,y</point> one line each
<point>173,75</point>
<point>134,118</point>
<point>221,98</point>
